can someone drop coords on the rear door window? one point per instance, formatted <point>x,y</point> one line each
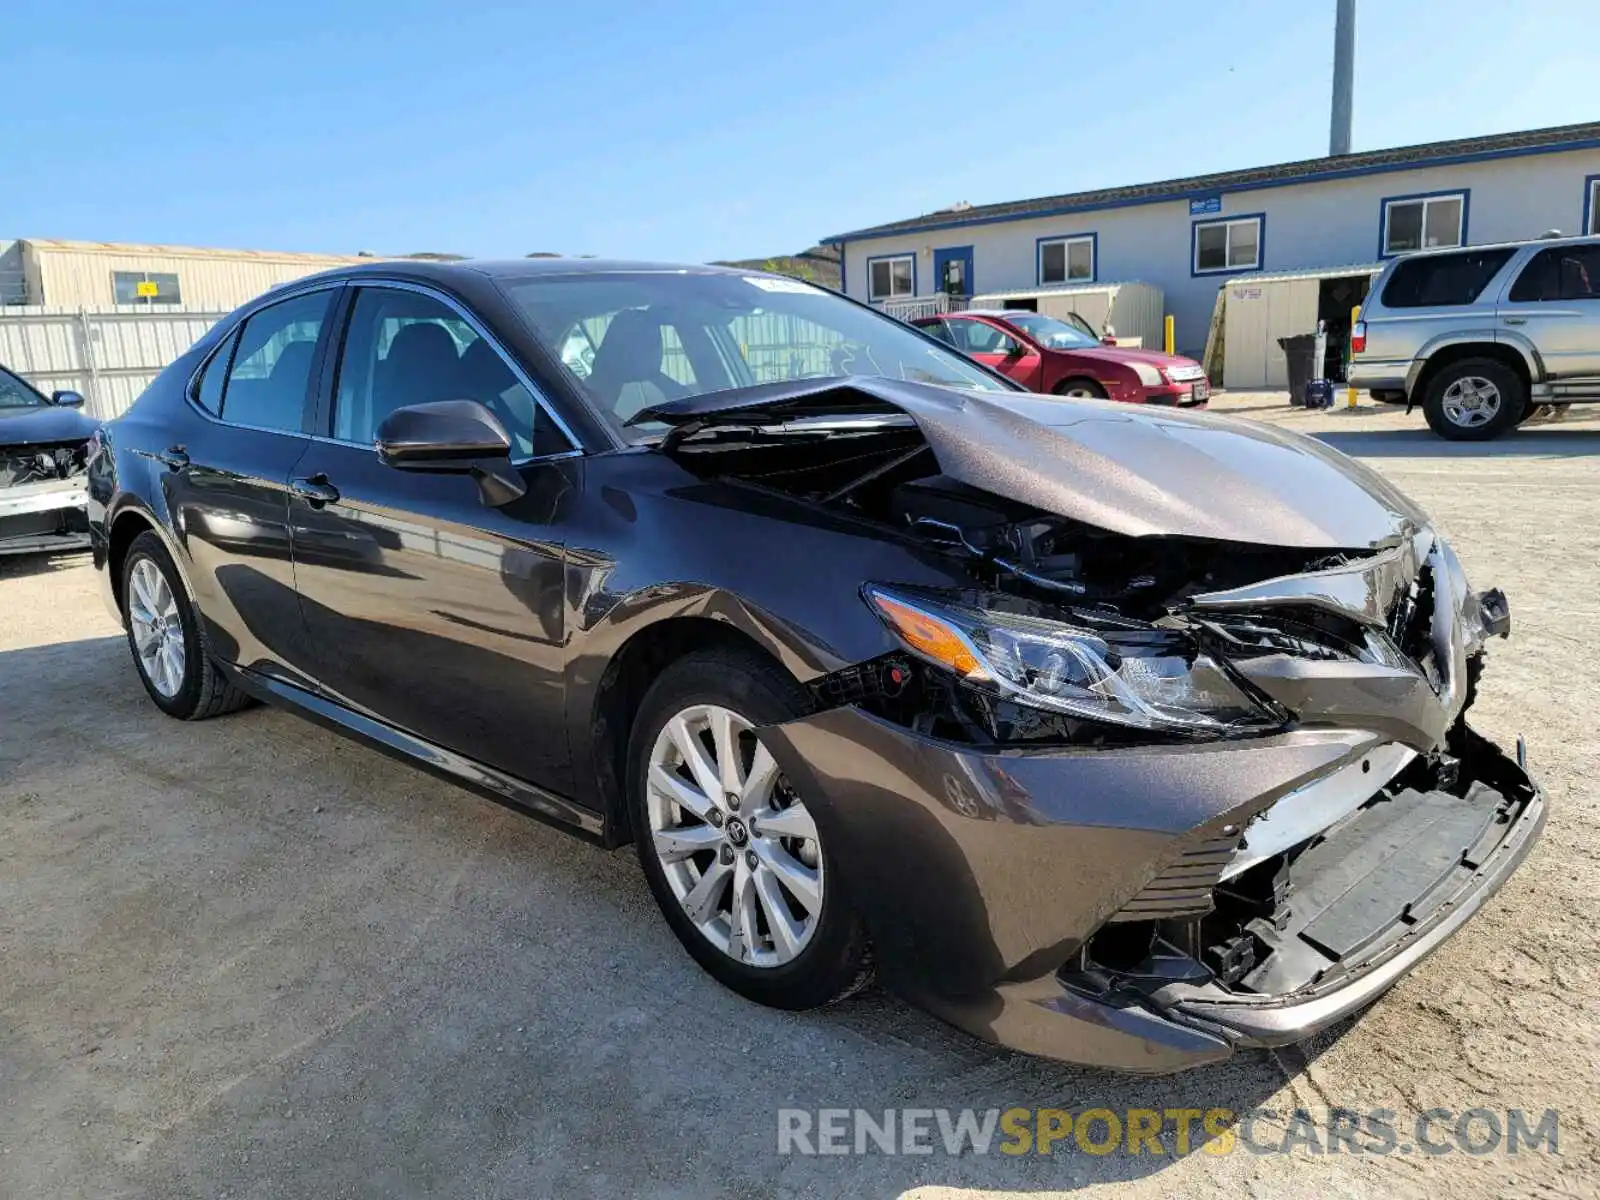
<point>272,364</point>
<point>1560,273</point>
<point>1443,280</point>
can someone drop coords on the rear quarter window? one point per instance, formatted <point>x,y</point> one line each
<point>1435,280</point>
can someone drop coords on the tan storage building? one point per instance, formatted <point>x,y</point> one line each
<point>1257,310</point>
<point>105,276</point>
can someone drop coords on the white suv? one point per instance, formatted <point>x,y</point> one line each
<point>1481,335</point>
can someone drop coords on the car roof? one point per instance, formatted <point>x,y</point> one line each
<point>469,270</point>
<point>1435,251</point>
<point>1002,313</point>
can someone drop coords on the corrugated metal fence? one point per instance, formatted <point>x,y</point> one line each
<point>108,356</point>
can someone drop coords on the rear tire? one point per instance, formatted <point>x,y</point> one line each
<point>1474,400</point>
<point>805,956</point>
<point>168,640</point>
<point>1081,387</point>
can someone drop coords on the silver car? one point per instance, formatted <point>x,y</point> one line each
<point>1482,335</point>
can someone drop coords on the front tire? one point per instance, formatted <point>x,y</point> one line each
<point>1080,387</point>
<point>735,859</point>
<point>168,639</point>
<point>1474,400</point>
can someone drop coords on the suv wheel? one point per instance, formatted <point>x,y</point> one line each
<point>737,862</point>
<point>1474,400</point>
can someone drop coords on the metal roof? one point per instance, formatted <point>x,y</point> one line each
<point>1499,145</point>
<point>64,246</point>
<point>1076,289</point>
<point>1251,278</point>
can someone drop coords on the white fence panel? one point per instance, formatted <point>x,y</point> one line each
<point>108,356</point>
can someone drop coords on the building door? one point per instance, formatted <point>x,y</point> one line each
<point>952,270</point>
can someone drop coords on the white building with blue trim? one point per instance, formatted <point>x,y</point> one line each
<point>1191,236</point>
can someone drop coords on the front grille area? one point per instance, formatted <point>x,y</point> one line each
<point>1188,374</point>
<point>1184,888</point>
<point>40,464</point>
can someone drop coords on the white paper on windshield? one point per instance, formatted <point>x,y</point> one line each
<point>767,284</point>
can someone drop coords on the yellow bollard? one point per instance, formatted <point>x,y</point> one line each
<point>1350,391</point>
<point>1171,336</point>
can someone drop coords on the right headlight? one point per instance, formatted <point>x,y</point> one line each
<point>1148,375</point>
<point>1153,680</point>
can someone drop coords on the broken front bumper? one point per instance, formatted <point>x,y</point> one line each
<point>44,516</point>
<point>984,876</point>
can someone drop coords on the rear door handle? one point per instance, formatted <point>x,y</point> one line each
<point>1516,320</point>
<point>174,458</point>
<point>315,490</point>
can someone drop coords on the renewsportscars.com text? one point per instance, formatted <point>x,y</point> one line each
<point>1166,1132</point>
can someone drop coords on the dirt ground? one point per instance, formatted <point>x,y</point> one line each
<point>248,958</point>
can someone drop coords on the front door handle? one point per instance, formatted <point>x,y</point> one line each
<point>174,458</point>
<point>1516,320</point>
<point>315,490</point>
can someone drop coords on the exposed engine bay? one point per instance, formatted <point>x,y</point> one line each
<point>42,497</point>
<point>21,465</point>
<point>1159,599</point>
<point>888,476</point>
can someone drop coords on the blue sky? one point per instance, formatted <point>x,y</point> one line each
<point>704,129</point>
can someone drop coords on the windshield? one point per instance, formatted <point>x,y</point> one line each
<point>1051,333</point>
<point>16,394</point>
<point>634,339</point>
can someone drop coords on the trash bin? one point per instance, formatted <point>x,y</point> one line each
<point>1298,350</point>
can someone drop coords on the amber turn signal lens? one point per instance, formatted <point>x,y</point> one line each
<point>927,634</point>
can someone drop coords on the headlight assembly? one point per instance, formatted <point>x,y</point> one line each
<point>1153,680</point>
<point>1148,375</point>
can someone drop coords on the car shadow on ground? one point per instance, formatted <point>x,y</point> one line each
<point>1534,442</point>
<point>20,566</point>
<point>387,940</point>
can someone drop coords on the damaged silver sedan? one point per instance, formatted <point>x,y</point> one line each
<point>1124,736</point>
<point>43,463</point>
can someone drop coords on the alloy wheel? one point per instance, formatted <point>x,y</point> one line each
<point>738,848</point>
<point>1471,401</point>
<point>157,628</point>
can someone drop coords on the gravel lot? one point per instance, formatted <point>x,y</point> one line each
<point>248,958</point>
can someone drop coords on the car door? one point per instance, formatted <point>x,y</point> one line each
<point>427,607</point>
<point>1555,304</point>
<point>226,478</point>
<point>996,348</point>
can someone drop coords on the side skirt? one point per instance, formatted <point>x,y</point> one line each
<point>455,768</point>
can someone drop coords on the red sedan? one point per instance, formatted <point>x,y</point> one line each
<point>1048,355</point>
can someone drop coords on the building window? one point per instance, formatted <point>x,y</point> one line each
<point>1591,205</point>
<point>1067,259</point>
<point>891,278</point>
<point>1233,245</point>
<point>1424,222</point>
<point>145,287</point>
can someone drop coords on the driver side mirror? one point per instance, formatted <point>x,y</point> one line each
<point>67,399</point>
<point>452,437</point>
<point>1017,350</point>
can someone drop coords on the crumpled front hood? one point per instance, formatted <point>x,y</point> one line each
<point>47,423</point>
<point>1128,469</point>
